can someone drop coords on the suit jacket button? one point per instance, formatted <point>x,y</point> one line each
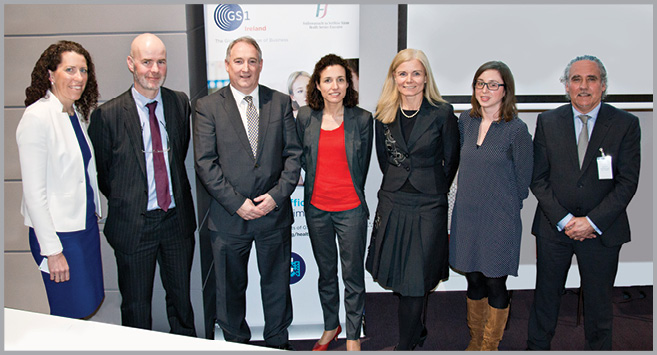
<point>580,185</point>
<point>256,166</point>
<point>408,169</point>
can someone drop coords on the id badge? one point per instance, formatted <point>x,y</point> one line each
<point>604,167</point>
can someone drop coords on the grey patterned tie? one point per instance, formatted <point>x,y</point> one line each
<point>252,123</point>
<point>583,140</point>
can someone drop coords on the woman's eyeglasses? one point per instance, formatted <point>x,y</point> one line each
<point>492,86</point>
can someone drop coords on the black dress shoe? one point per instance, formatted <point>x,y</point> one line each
<point>286,346</point>
<point>423,337</point>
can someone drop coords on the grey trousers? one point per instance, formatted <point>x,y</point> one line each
<point>351,229</point>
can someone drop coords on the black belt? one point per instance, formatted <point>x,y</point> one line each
<point>159,212</point>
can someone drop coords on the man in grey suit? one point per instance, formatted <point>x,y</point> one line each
<point>586,171</point>
<point>141,139</point>
<point>248,158</point>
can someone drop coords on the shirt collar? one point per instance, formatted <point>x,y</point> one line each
<point>593,114</point>
<point>143,100</point>
<point>239,96</point>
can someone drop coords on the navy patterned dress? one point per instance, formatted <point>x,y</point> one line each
<point>493,180</point>
<point>82,294</point>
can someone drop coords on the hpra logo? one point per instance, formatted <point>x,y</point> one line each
<point>321,10</point>
<point>297,268</point>
<point>228,17</point>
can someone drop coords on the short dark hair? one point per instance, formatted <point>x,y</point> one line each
<point>246,39</point>
<point>314,96</point>
<point>49,60</point>
<point>508,110</point>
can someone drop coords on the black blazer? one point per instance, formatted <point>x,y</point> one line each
<point>115,131</point>
<point>561,187</point>
<point>358,137</point>
<point>225,163</point>
<point>429,159</point>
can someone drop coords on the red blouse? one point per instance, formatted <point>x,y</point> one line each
<point>333,190</point>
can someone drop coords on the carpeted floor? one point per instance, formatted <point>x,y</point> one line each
<point>633,310</point>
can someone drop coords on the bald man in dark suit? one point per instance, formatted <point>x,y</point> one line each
<point>151,213</point>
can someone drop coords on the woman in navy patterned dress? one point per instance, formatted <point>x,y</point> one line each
<point>494,176</point>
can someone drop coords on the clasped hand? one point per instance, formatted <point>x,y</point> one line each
<point>579,228</point>
<point>256,208</point>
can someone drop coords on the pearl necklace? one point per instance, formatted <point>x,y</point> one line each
<point>405,115</point>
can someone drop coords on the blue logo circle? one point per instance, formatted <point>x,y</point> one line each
<point>228,17</point>
<point>297,268</point>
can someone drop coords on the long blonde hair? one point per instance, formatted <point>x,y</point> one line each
<point>386,108</point>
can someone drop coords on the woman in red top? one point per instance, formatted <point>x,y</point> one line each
<point>337,144</point>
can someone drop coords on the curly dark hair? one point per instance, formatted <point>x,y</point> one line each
<point>49,60</point>
<point>314,96</point>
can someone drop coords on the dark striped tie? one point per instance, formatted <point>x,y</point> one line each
<point>159,166</point>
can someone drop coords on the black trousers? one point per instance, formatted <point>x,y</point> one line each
<point>231,258</point>
<point>160,243</point>
<point>597,269</point>
<point>351,229</point>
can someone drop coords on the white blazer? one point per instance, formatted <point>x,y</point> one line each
<point>52,168</point>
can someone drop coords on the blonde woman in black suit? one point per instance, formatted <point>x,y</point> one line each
<point>336,137</point>
<point>417,146</point>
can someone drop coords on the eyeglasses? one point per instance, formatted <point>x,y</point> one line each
<point>492,86</point>
<point>156,151</point>
<point>166,136</point>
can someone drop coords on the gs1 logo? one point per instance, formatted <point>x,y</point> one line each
<point>229,17</point>
<point>297,268</point>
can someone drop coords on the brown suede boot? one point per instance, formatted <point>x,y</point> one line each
<point>494,328</point>
<point>477,316</point>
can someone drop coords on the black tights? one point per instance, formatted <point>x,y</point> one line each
<point>410,314</point>
<point>480,286</point>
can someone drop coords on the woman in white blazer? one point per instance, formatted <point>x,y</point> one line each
<point>61,201</point>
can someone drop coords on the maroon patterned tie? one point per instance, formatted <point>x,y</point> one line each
<point>159,166</point>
